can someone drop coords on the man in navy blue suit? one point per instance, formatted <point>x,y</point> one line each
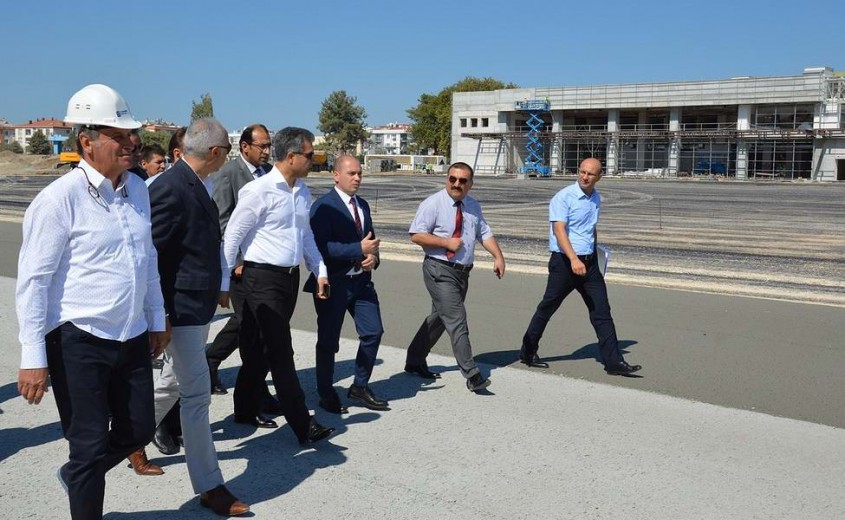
<point>343,231</point>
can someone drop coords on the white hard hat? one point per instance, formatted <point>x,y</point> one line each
<point>100,105</point>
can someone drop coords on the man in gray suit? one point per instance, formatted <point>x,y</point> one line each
<point>255,146</point>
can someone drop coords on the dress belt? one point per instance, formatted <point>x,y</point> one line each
<point>454,265</point>
<point>271,267</point>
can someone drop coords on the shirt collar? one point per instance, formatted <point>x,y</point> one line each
<point>343,196</point>
<point>97,179</point>
<point>581,192</point>
<point>249,165</point>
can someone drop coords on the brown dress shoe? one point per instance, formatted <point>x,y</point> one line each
<point>222,502</point>
<point>142,465</point>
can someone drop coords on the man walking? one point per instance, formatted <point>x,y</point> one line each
<point>87,293</point>
<point>446,226</point>
<point>343,231</point>
<point>573,215</point>
<point>270,227</point>
<point>186,233</point>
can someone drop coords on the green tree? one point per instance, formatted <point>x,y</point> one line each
<point>70,144</point>
<point>14,147</point>
<point>205,108</point>
<point>160,138</point>
<point>431,119</point>
<point>342,122</point>
<point>38,144</point>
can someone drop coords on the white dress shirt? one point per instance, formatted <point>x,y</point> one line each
<point>347,200</point>
<point>87,258</point>
<point>255,171</point>
<point>271,225</point>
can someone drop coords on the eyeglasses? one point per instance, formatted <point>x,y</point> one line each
<point>460,180</point>
<point>261,146</point>
<point>309,155</point>
<point>227,146</point>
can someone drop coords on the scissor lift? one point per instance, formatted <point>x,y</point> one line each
<point>533,163</point>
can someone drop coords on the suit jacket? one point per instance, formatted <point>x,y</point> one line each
<point>228,181</point>
<point>186,234</point>
<point>336,236</point>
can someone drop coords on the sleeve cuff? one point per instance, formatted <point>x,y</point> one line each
<point>34,356</point>
<point>156,321</point>
<point>322,272</point>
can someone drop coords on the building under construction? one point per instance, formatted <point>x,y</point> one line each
<point>786,127</point>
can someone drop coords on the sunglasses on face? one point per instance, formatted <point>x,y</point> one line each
<point>460,180</point>
<point>309,155</point>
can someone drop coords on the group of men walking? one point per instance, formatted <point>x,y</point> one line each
<point>112,273</point>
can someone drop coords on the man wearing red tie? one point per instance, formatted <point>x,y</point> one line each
<point>343,231</point>
<point>446,226</point>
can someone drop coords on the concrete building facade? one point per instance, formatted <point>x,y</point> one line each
<point>55,130</point>
<point>391,139</point>
<point>785,127</point>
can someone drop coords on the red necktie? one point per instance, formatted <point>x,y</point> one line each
<point>358,227</point>
<point>459,227</point>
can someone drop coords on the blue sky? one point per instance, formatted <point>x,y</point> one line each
<point>275,62</point>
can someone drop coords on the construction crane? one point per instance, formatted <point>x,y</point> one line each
<point>534,148</point>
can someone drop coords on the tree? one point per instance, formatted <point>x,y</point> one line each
<point>342,122</point>
<point>160,138</point>
<point>431,119</point>
<point>14,147</point>
<point>205,108</point>
<point>70,144</point>
<point>38,144</point>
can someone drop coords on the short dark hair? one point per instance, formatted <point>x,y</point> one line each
<point>246,135</point>
<point>177,140</point>
<point>290,139</point>
<point>149,150</point>
<point>462,166</point>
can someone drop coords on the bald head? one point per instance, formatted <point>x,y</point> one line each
<point>589,173</point>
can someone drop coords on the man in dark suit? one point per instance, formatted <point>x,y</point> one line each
<point>343,230</point>
<point>252,164</point>
<point>186,233</point>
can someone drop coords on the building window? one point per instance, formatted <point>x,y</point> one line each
<point>474,122</point>
<point>485,122</point>
<point>463,122</point>
<point>29,131</point>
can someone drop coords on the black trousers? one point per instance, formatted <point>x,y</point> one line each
<point>593,291</point>
<point>228,340</point>
<point>270,298</point>
<point>94,379</point>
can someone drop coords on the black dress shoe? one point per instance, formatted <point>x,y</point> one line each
<point>422,371</point>
<point>532,360</point>
<point>332,404</point>
<point>365,398</point>
<point>316,432</point>
<point>165,442</point>
<point>477,382</point>
<point>217,389</point>
<point>621,369</point>
<point>257,420</point>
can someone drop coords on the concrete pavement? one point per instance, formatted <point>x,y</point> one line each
<point>535,446</point>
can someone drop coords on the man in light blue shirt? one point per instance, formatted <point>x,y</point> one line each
<point>446,226</point>
<point>573,215</point>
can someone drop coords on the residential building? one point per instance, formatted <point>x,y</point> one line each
<point>390,139</point>
<point>56,131</point>
<point>784,127</point>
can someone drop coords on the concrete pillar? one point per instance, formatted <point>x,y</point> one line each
<point>641,143</point>
<point>741,159</point>
<point>674,141</point>
<point>743,117</point>
<point>611,166</point>
<point>555,154</point>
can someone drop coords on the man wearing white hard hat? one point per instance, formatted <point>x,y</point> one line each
<point>87,294</point>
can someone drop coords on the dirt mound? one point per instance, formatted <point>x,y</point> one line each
<point>22,164</point>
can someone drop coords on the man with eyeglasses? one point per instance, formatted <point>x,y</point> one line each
<point>270,227</point>
<point>186,233</point>
<point>89,303</point>
<point>252,164</point>
<point>446,226</point>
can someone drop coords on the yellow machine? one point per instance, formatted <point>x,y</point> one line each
<point>68,159</point>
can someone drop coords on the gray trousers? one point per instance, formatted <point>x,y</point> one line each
<point>185,376</point>
<point>448,288</point>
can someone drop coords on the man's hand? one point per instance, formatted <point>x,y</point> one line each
<point>369,245</point>
<point>453,244</point>
<point>237,272</point>
<point>578,266</point>
<point>223,299</point>
<point>499,267</point>
<point>322,283</point>
<point>159,340</point>
<point>369,263</point>
<point>32,384</point>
